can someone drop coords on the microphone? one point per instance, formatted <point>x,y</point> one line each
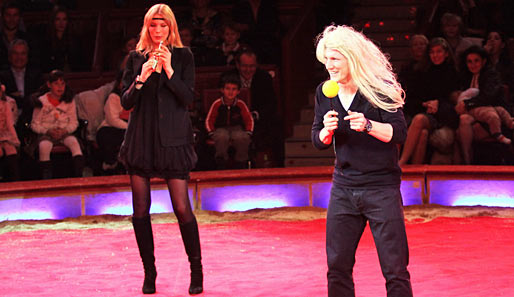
<point>330,89</point>
<point>155,58</point>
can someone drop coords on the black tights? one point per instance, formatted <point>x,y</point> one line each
<point>141,200</point>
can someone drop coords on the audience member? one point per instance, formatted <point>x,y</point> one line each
<point>111,131</point>
<point>54,120</point>
<point>268,127</point>
<point>120,54</point>
<point>410,75</point>
<point>499,59</point>
<point>433,110</point>
<point>205,22</point>
<point>21,79</point>
<point>9,141</point>
<point>60,49</point>
<point>10,30</point>
<point>230,122</point>
<point>452,27</point>
<point>260,27</point>
<point>230,46</point>
<point>204,56</point>
<point>482,100</point>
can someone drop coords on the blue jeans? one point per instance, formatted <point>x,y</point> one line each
<point>348,212</point>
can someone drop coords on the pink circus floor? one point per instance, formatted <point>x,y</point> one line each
<point>454,252</point>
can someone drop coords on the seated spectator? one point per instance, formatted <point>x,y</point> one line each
<point>483,101</point>
<point>54,120</point>
<point>410,75</point>
<point>230,47</point>
<point>268,130</point>
<point>433,108</point>
<point>120,55</point>
<point>60,49</point>
<point>260,27</point>
<point>111,131</point>
<point>205,21</point>
<point>452,27</point>
<point>9,142</point>
<point>21,79</point>
<point>11,29</point>
<point>229,122</point>
<point>204,56</point>
<point>499,59</point>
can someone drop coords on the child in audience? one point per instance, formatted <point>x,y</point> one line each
<point>229,121</point>
<point>483,96</point>
<point>9,141</point>
<point>230,46</point>
<point>54,120</point>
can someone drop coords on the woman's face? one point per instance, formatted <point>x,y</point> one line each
<point>61,21</point>
<point>418,48</point>
<point>158,29</point>
<point>437,54</point>
<point>475,63</point>
<point>337,66</point>
<point>57,88</point>
<point>451,29</point>
<point>495,42</point>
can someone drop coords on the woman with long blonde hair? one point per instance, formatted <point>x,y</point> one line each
<point>363,119</point>
<point>158,83</point>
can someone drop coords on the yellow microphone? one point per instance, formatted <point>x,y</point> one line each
<point>330,88</point>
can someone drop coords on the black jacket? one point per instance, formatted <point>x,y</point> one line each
<point>174,96</point>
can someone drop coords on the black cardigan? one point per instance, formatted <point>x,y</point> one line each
<point>174,96</point>
<point>361,159</point>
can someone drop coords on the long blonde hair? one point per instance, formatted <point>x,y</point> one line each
<point>370,69</point>
<point>145,43</point>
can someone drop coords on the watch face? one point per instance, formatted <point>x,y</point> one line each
<point>368,126</point>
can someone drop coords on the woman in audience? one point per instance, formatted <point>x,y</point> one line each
<point>9,142</point>
<point>482,100</point>
<point>410,75</point>
<point>499,59</point>
<point>61,49</point>
<point>54,120</point>
<point>433,108</point>
<point>112,129</point>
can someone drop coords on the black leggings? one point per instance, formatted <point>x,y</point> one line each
<point>141,200</point>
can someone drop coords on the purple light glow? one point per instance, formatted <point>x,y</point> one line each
<point>472,192</point>
<point>40,208</point>
<point>244,197</point>
<point>120,203</point>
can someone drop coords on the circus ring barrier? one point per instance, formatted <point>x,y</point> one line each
<point>239,190</point>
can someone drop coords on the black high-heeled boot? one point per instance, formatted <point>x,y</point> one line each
<point>78,165</point>
<point>191,239</point>
<point>144,238</point>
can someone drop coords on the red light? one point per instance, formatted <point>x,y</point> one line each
<point>380,23</point>
<point>367,25</point>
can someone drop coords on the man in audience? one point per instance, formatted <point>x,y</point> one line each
<point>10,30</point>
<point>268,127</point>
<point>21,79</point>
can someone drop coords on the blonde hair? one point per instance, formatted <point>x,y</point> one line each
<point>370,69</point>
<point>145,43</point>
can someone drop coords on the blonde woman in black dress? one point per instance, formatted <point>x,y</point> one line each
<point>158,83</point>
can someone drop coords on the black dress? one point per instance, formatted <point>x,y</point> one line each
<point>142,152</point>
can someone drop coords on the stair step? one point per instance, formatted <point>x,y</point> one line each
<point>384,12</point>
<point>386,25</point>
<point>305,149</point>
<point>303,162</point>
<point>368,3</point>
<point>302,130</point>
<point>307,114</point>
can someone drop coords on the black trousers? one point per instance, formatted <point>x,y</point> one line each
<point>348,212</point>
<point>109,140</point>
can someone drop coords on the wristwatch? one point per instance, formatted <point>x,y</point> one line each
<point>368,126</point>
